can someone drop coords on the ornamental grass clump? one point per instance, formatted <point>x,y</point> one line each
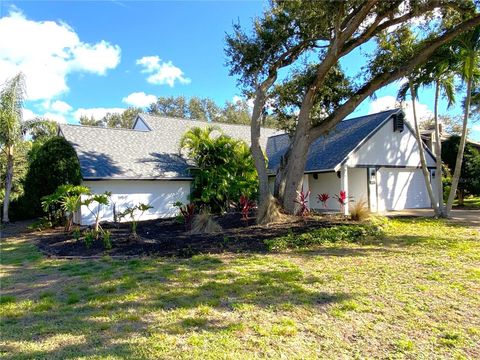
<point>359,211</point>
<point>269,211</point>
<point>204,224</point>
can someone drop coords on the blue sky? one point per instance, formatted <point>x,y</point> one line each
<point>91,57</point>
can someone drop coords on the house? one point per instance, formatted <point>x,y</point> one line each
<point>373,157</point>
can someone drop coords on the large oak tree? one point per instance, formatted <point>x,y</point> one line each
<point>292,34</point>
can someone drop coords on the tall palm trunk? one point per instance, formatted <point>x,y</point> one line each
<point>438,154</point>
<point>8,183</point>
<point>423,162</point>
<point>461,148</point>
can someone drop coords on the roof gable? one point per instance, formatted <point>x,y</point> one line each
<point>328,151</point>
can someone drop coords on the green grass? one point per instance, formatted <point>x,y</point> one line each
<point>412,293</point>
<point>470,202</point>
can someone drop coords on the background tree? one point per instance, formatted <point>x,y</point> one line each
<point>55,164</point>
<point>469,182</point>
<point>328,31</point>
<point>11,130</point>
<point>224,168</point>
<point>124,119</point>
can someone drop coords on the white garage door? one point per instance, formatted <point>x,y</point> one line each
<point>400,189</point>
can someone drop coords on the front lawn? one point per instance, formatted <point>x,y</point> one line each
<point>415,293</point>
<point>469,203</point>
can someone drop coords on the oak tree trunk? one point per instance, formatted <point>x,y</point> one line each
<point>8,183</point>
<point>461,148</point>
<point>421,149</point>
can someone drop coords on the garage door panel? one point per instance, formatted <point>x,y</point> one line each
<point>401,189</point>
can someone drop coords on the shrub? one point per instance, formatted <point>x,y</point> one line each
<point>55,163</point>
<point>347,233</point>
<point>89,238</point>
<point>106,237</point>
<point>224,168</point>
<point>359,211</point>
<point>204,224</point>
<point>76,234</point>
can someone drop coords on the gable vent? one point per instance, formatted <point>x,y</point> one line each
<point>398,122</point>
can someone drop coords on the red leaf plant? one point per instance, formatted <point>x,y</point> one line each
<point>323,198</point>
<point>188,212</point>
<point>302,200</point>
<point>342,199</point>
<point>245,206</point>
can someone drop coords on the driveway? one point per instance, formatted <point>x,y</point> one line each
<point>458,216</point>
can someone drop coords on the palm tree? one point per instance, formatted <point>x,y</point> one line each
<point>467,47</point>
<point>11,130</point>
<point>438,71</point>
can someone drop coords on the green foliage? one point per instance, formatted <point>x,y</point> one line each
<point>67,199</point>
<point>470,173</point>
<point>55,164</point>
<point>344,233</point>
<point>40,224</point>
<point>76,234</point>
<point>106,238</point>
<point>100,200</point>
<point>89,237</point>
<point>113,120</point>
<point>224,168</point>
<point>134,213</point>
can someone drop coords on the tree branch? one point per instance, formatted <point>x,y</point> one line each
<point>386,78</point>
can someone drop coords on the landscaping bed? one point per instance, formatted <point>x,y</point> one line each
<point>168,237</point>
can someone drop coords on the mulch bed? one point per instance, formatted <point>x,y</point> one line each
<point>167,237</point>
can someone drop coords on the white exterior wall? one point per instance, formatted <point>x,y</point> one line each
<point>330,183</point>
<point>387,147</point>
<point>161,194</point>
<point>325,183</point>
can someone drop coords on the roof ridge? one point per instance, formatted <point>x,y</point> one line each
<point>203,121</point>
<point>103,128</point>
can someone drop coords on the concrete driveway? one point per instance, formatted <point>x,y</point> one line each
<point>460,216</point>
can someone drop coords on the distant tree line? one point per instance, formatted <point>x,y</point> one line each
<point>195,108</point>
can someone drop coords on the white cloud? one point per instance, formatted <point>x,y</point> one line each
<point>161,72</point>
<point>59,118</point>
<point>28,114</point>
<point>389,102</point>
<point>46,52</point>
<point>59,106</point>
<point>139,99</point>
<point>97,113</point>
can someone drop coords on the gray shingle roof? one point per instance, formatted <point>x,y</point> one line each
<point>330,150</point>
<point>106,153</point>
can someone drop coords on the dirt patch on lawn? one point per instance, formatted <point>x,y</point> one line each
<point>167,237</point>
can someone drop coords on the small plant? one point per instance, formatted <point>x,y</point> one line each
<point>245,206</point>
<point>41,224</point>
<point>204,224</point>
<point>359,211</point>
<point>89,238</point>
<point>101,200</point>
<point>134,213</point>
<point>68,198</point>
<point>302,200</point>
<point>76,234</point>
<point>187,213</point>
<point>106,238</point>
<point>323,198</point>
<point>342,199</point>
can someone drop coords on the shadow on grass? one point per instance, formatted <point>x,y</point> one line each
<point>109,302</point>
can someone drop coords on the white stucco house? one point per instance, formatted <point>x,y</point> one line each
<point>373,157</point>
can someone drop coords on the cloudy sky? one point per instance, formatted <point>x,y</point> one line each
<point>95,57</point>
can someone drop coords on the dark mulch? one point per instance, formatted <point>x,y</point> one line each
<point>167,237</point>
